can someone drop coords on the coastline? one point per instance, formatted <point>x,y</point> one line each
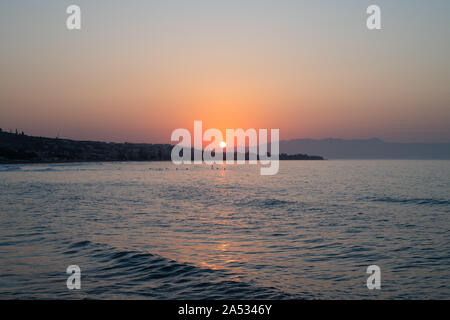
<point>18,148</point>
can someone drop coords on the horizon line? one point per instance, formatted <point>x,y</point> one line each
<point>19,132</point>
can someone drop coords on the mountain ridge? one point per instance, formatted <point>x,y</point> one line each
<point>372,148</point>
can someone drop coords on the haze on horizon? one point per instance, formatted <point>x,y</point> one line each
<point>139,69</point>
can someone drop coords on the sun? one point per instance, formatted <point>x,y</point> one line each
<point>222,144</point>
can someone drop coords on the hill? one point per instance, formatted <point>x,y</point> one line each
<point>21,148</point>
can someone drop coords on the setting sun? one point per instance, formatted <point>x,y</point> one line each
<point>222,144</point>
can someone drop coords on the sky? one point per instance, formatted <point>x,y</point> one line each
<point>137,70</point>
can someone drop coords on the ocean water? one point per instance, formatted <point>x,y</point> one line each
<point>159,231</point>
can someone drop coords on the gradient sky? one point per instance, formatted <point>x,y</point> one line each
<point>139,69</point>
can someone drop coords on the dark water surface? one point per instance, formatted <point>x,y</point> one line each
<point>148,230</point>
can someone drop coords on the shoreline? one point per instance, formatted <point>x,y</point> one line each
<point>116,161</point>
<point>18,148</point>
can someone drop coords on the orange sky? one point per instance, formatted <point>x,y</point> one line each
<point>136,71</point>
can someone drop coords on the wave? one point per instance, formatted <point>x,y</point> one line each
<point>145,275</point>
<point>265,203</point>
<point>10,168</point>
<point>54,167</point>
<point>416,201</point>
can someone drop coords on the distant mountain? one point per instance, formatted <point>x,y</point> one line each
<point>366,149</point>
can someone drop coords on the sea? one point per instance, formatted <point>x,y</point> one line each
<point>154,230</point>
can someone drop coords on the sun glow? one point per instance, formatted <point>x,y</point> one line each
<point>222,144</point>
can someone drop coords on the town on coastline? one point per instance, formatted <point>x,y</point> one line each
<point>17,147</point>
